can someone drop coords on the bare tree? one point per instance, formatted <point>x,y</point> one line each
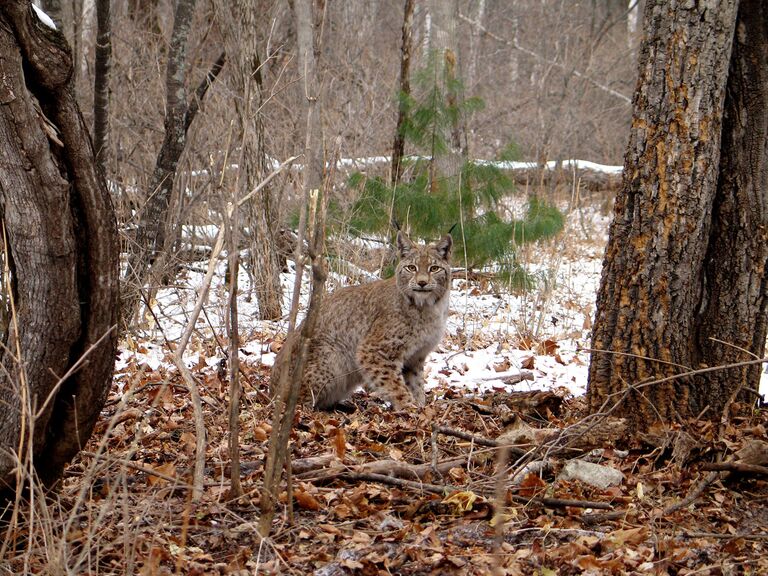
<point>735,295</point>
<point>101,80</point>
<point>406,52</point>
<point>240,20</point>
<point>61,257</point>
<point>154,227</point>
<point>287,389</point>
<point>444,52</point>
<point>243,19</point>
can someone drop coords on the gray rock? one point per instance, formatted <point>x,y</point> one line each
<point>593,474</point>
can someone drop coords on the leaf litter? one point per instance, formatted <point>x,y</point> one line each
<point>471,484</point>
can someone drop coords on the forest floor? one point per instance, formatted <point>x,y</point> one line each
<point>478,482</point>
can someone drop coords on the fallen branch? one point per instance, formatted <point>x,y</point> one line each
<point>740,467</point>
<point>391,468</point>
<point>561,503</point>
<point>599,518</point>
<point>447,489</point>
<point>692,495</point>
<point>738,535</point>
<point>479,440</point>
<point>399,482</point>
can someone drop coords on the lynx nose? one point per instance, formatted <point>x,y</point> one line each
<point>421,282</point>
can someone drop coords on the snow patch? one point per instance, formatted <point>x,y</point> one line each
<point>44,18</point>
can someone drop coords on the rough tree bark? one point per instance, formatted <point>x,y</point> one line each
<point>735,292</point>
<point>686,254</point>
<point>62,253</point>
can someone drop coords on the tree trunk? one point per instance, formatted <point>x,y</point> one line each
<point>444,50</point>
<point>655,276</point>
<point>735,292</point>
<point>102,66</point>
<point>155,228</point>
<point>287,386</point>
<point>242,44</point>
<point>62,255</point>
<point>307,47</point>
<point>153,221</point>
<point>398,148</point>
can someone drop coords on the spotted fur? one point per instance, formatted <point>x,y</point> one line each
<point>378,334</point>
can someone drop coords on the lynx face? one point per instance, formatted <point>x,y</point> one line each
<point>424,272</point>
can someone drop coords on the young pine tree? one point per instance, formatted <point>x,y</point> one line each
<point>429,199</point>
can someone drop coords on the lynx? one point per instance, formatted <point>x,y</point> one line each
<point>379,334</point>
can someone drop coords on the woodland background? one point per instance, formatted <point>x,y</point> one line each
<point>373,492</point>
<point>556,79</point>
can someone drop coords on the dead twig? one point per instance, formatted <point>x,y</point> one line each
<point>175,480</point>
<point>479,440</point>
<point>740,467</point>
<point>692,495</point>
<point>738,535</point>
<point>561,502</point>
<point>399,482</point>
<point>599,518</point>
<point>387,467</point>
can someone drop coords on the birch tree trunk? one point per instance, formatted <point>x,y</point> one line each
<point>686,255</point>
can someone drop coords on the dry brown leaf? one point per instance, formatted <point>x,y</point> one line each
<point>502,366</point>
<point>260,434</point>
<point>306,501</point>
<point>340,443</point>
<point>531,485</point>
<point>168,469</point>
<point>629,537</point>
<point>548,347</point>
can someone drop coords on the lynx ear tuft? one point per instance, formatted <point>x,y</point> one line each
<point>404,244</point>
<point>443,246</point>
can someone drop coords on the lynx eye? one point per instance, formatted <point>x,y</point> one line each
<point>410,268</point>
<point>434,269</point>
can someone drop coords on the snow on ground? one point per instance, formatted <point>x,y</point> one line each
<point>495,339</point>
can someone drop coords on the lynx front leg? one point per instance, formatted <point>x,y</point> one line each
<point>382,369</point>
<point>414,380</point>
<point>413,372</point>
